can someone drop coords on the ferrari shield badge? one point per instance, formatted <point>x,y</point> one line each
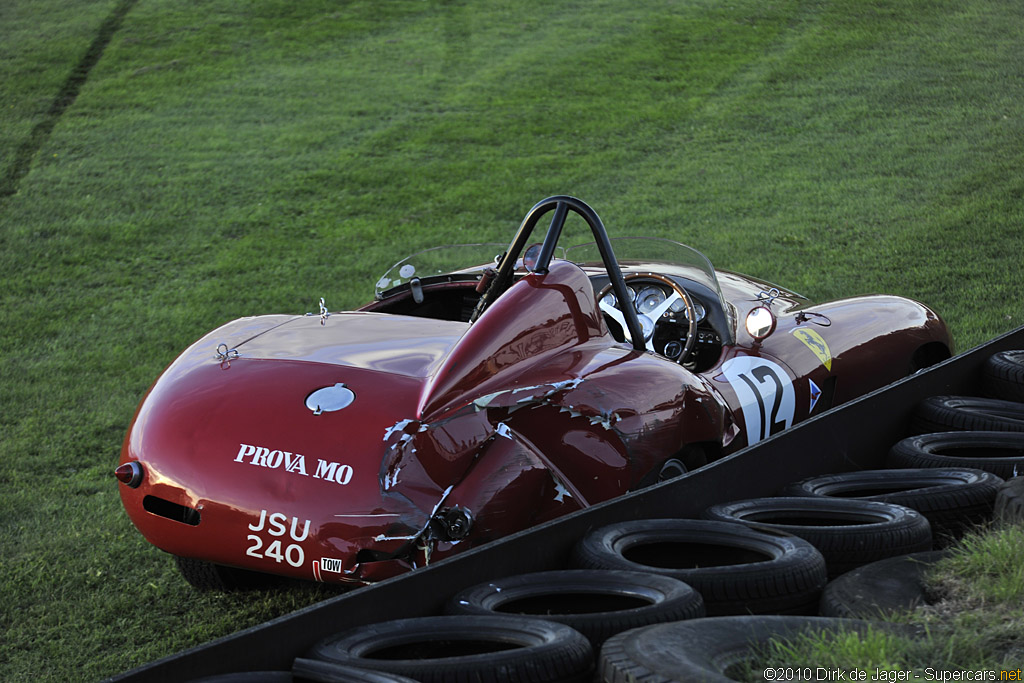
<point>817,344</point>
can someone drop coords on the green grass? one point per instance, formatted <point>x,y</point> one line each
<point>985,569</point>
<point>168,166</point>
<point>976,622</point>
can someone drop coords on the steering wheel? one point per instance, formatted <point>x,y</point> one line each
<point>649,320</point>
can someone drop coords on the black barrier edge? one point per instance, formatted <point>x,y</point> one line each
<point>854,436</point>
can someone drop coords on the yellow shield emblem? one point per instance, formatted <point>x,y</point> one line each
<point>816,343</point>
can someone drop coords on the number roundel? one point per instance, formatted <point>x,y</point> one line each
<point>765,393</point>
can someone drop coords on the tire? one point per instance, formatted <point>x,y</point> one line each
<point>880,589</point>
<point>848,533</point>
<point>957,413</point>
<point>1003,375</point>
<point>736,569</point>
<point>209,576</point>
<point>464,648</point>
<point>707,650</point>
<point>597,603</point>
<point>953,499</point>
<point>1009,507</point>
<point>1001,453</point>
<point>330,672</point>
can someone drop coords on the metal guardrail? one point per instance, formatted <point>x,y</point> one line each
<point>856,435</point>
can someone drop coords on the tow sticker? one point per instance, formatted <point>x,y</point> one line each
<point>766,395</point>
<point>326,564</point>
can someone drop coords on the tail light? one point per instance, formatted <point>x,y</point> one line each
<point>129,474</point>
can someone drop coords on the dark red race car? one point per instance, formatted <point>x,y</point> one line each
<point>465,403</point>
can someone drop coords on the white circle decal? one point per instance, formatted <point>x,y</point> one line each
<point>329,399</point>
<point>766,395</point>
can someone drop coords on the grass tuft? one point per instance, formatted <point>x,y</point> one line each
<point>976,622</point>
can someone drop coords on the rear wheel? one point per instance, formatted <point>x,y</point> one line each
<point>248,677</point>
<point>928,355</point>
<point>209,576</point>
<point>687,459</point>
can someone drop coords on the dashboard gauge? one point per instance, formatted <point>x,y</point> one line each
<point>680,307</point>
<point>531,256</point>
<point>646,326</point>
<point>649,299</point>
<point>613,300</point>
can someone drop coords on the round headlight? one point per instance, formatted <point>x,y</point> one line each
<point>760,323</point>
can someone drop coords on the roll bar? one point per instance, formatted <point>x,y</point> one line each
<point>561,205</point>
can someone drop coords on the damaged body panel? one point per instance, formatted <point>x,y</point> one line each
<point>469,402</point>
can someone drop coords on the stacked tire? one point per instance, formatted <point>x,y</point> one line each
<point>951,499</point>
<point>847,532</point>
<point>735,568</point>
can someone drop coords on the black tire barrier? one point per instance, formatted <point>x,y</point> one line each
<point>707,649</point>
<point>881,588</point>
<point>1001,453</point>
<point>1003,375</point>
<point>1009,507</point>
<point>961,413</point>
<point>597,603</point>
<point>330,672</point>
<point>487,649</point>
<point>953,499</point>
<point>736,569</point>
<point>848,532</point>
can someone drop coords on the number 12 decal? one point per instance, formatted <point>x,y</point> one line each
<point>766,395</point>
